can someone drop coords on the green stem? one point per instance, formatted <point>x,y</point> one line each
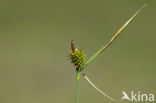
<point>77,89</point>
<point>97,53</point>
<point>114,37</point>
<point>103,48</point>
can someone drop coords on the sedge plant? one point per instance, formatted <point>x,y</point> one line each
<point>77,57</point>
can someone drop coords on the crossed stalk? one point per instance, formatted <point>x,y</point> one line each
<point>99,52</point>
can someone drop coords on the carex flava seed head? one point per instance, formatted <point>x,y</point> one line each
<point>77,57</point>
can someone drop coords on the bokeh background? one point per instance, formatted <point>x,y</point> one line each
<point>35,40</point>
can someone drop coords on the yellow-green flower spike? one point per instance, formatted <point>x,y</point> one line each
<point>77,57</point>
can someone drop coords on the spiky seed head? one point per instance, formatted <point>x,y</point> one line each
<point>77,56</point>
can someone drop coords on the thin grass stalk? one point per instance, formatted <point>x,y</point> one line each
<point>77,88</point>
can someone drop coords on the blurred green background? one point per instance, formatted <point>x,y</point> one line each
<point>35,42</point>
